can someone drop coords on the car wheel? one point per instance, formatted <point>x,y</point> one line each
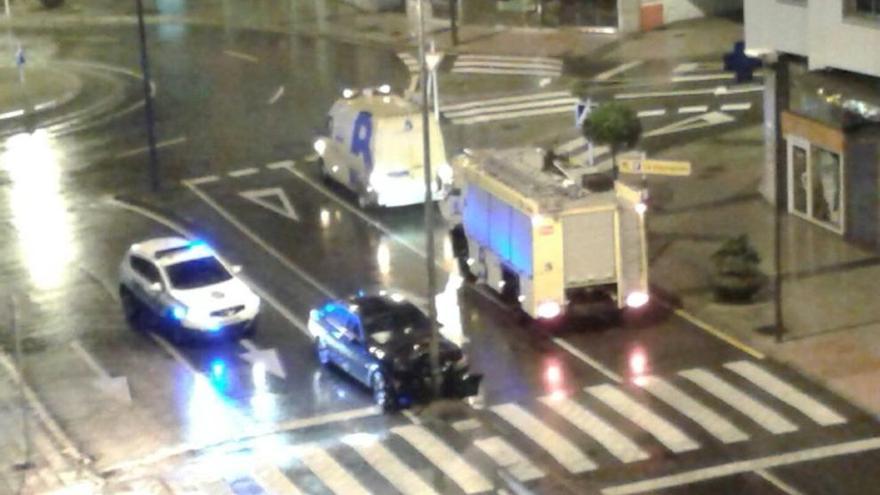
<point>381,391</point>
<point>131,308</point>
<point>322,352</point>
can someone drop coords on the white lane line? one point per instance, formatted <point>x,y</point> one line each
<point>655,94</point>
<point>574,351</point>
<point>685,67</point>
<point>282,164</point>
<point>335,477</point>
<point>560,448</point>
<point>724,90</point>
<point>505,99</point>
<point>758,412</point>
<point>501,64</point>
<point>608,74</point>
<point>381,459</point>
<point>506,71</point>
<point>510,107</point>
<point>735,107</point>
<point>510,115</point>
<point>694,109</point>
<point>815,410</point>
<point>778,483</point>
<point>466,424</point>
<point>144,149</point>
<point>651,113</point>
<point>670,436</point>
<point>517,58</point>
<point>242,56</point>
<point>585,420</point>
<point>204,179</point>
<point>450,462</point>
<point>703,77</point>
<point>708,419</point>
<point>273,481</point>
<point>260,242</point>
<point>506,456</point>
<point>745,466</point>
<point>90,360</point>
<point>243,172</point>
<point>11,114</point>
<point>337,417</point>
<point>174,353</point>
<point>276,96</point>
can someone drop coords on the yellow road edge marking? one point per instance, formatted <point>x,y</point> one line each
<point>702,325</point>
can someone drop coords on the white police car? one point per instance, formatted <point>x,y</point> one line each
<point>186,288</point>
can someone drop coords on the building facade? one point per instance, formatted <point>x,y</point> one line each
<point>822,110</point>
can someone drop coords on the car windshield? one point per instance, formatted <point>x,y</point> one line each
<point>403,318</point>
<point>197,273</point>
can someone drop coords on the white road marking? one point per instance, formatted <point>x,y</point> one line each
<point>585,420</point>
<point>744,466</point>
<point>323,419</point>
<point>260,242</point>
<point>174,353</point>
<point>507,64</point>
<point>692,123</point>
<point>243,172</point>
<point>656,94</point>
<point>243,56</point>
<point>282,164</point>
<point>778,483</point>
<point>276,96</point>
<point>491,117</point>
<point>273,481</point>
<point>736,90</point>
<point>661,429</point>
<point>506,71</point>
<point>267,357</point>
<point>11,114</point>
<point>703,77</point>
<point>466,424</point>
<point>560,448</point>
<point>398,473</point>
<point>259,196</point>
<point>574,351</point>
<point>450,462</point>
<point>90,360</point>
<point>758,412</point>
<point>519,58</point>
<point>608,74</point>
<point>144,149</point>
<point>204,179</point>
<point>693,109</point>
<point>651,113</point>
<point>708,419</point>
<point>330,472</point>
<point>506,456</point>
<point>686,67</point>
<point>735,107</point>
<point>815,410</point>
<point>489,102</point>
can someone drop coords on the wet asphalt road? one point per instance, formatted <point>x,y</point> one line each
<point>64,237</point>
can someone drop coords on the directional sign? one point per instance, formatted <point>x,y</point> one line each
<point>264,197</point>
<point>639,165</point>
<point>268,358</point>
<point>582,110</point>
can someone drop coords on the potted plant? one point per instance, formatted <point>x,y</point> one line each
<point>736,277</point>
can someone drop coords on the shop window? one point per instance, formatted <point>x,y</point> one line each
<point>816,184</point>
<point>869,8</point>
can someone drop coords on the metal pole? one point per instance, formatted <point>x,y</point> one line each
<point>780,98</point>
<point>19,363</point>
<point>434,349</point>
<point>453,18</point>
<point>148,101</point>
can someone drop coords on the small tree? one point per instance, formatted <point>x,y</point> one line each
<point>615,126</point>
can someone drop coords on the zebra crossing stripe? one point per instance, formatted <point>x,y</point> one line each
<point>506,456</point>
<point>566,103</point>
<point>271,479</point>
<point>563,450</point>
<point>508,64</point>
<point>330,472</point>
<point>670,436</point>
<point>708,419</point>
<point>444,458</point>
<point>758,412</point>
<point>491,102</point>
<point>469,57</point>
<point>377,455</point>
<point>615,442</point>
<point>815,410</point>
<point>506,71</point>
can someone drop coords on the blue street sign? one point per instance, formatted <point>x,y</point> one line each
<point>581,110</point>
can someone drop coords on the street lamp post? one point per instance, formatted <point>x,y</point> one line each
<point>434,348</point>
<point>148,100</point>
<point>432,60</point>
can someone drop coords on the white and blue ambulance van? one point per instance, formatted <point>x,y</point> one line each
<point>374,148</point>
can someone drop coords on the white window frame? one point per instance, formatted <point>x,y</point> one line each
<point>791,142</point>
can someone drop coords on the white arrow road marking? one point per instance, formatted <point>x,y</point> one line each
<point>258,196</point>
<point>691,123</point>
<point>116,387</point>
<point>608,74</point>
<point>268,357</point>
<point>278,94</point>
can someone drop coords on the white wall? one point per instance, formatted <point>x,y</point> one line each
<point>679,10</point>
<point>816,29</point>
